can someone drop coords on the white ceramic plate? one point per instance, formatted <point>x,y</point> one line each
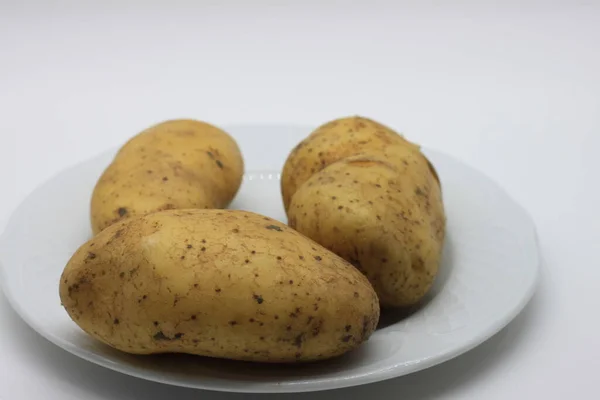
<point>489,272</point>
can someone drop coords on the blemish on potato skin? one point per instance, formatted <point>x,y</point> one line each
<point>258,298</point>
<point>116,321</point>
<point>274,228</point>
<point>232,323</point>
<point>161,336</point>
<point>298,340</point>
<point>122,211</point>
<point>346,338</point>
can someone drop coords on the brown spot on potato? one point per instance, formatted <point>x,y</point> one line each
<point>346,338</point>
<point>418,264</point>
<point>219,164</point>
<point>160,336</point>
<point>258,298</point>
<point>116,321</point>
<point>165,178</point>
<point>90,256</point>
<point>318,258</point>
<point>274,228</point>
<point>298,340</point>
<point>122,211</point>
<point>365,327</point>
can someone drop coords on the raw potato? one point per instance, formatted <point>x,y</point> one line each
<point>331,142</point>
<point>177,164</point>
<point>370,196</point>
<point>220,283</point>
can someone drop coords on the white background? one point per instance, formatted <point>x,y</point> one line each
<point>510,88</point>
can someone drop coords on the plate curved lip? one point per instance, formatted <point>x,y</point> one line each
<point>313,384</point>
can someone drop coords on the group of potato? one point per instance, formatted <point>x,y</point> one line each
<point>171,270</point>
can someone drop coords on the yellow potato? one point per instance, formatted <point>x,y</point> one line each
<point>331,142</point>
<point>172,165</point>
<point>220,283</point>
<point>377,204</point>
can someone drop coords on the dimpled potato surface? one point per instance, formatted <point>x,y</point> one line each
<point>370,196</point>
<point>177,164</point>
<point>220,283</point>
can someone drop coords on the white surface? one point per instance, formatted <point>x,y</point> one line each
<point>512,89</point>
<point>488,274</point>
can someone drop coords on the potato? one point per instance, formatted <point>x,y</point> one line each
<point>176,164</point>
<point>219,283</point>
<point>331,142</point>
<point>376,202</point>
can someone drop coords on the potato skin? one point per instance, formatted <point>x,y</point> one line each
<point>177,164</point>
<point>331,142</point>
<point>219,283</point>
<point>378,205</point>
